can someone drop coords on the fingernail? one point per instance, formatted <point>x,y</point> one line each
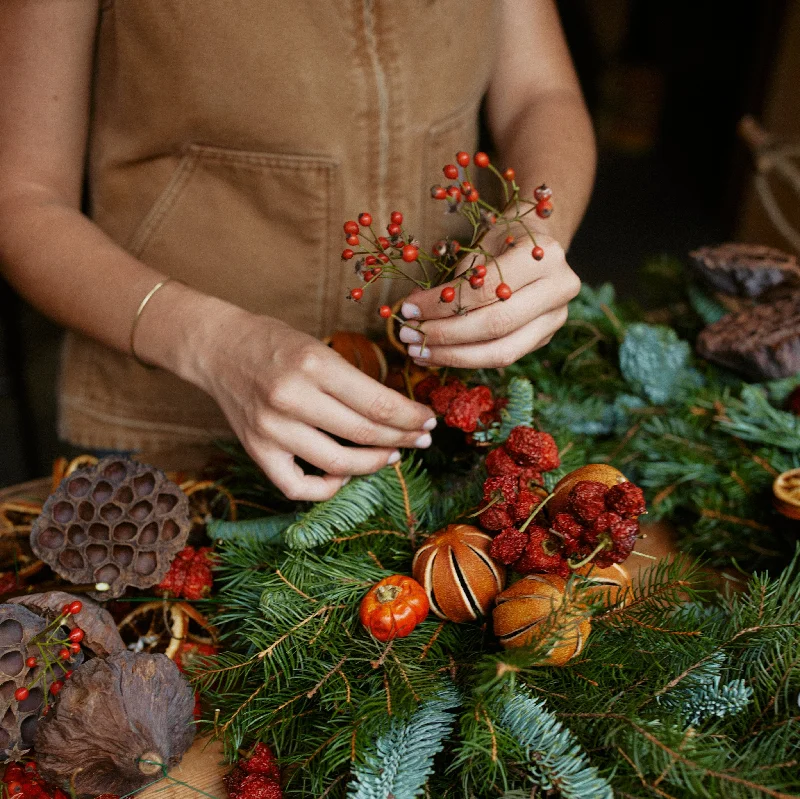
<point>410,311</point>
<point>423,441</point>
<point>418,352</point>
<point>346,481</point>
<point>393,458</point>
<point>430,424</point>
<point>410,336</point>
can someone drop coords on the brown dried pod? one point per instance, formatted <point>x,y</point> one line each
<point>459,577</point>
<point>524,611</point>
<point>19,628</point>
<point>117,724</point>
<point>598,472</point>
<point>101,635</point>
<point>120,523</point>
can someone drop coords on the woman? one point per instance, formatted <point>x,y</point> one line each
<point>223,143</point>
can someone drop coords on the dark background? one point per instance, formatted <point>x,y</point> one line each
<point>666,83</point>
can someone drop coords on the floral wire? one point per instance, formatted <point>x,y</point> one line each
<point>165,776</point>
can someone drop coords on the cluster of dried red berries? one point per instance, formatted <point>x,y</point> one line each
<point>379,256</point>
<point>25,782</point>
<point>255,777</point>
<point>190,575</point>
<point>68,649</point>
<point>467,409</point>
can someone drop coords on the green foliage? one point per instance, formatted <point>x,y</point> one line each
<point>519,410</point>
<point>753,418</point>
<point>268,529</point>
<point>402,759</point>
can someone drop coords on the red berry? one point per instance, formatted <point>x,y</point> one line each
<point>393,229</point>
<point>479,270</point>
<point>67,674</point>
<point>352,241</point>
<point>438,192</point>
<point>473,196</point>
<point>542,193</point>
<point>476,281</point>
<point>368,275</point>
<point>462,158</point>
<point>454,193</point>
<point>510,241</point>
<point>410,253</point>
<point>503,291</point>
<point>365,219</point>
<point>509,174</point>
<point>347,255</point>
<point>626,499</point>
<point>383,258</point>
<point>448,294</point>
<point>76,636</point>
<point>370,260</point>
<point>75,607</point>
<point>450,171</point>
<point>64,653</point>
<point>377,270</point>
<point>384,242</point>
<point>74,648</point>
<point>508,545</point>
<point>467,187</point>
<point>529,447</point>
<point>356,294</point>
<point>14,788</point>
<point>544,208</point>
<point>21,694</point>
<point>65,610</point>
<point>31,662</point>
<point>397,218</point>
<point>351,228</point>
<point>481,160</point>
<point>385,311</point>
<point>56,687</point>
<point>537,253</point>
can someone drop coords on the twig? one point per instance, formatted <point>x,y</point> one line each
<point>325,679</point>
<point>295,588</point>
<point>410,522</point>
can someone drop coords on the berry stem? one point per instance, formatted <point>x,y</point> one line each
<point>535,512</point>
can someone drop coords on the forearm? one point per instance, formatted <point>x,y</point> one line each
<point>551,141</point>
<point>65,266</point>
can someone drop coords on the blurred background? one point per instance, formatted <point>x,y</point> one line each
<point>666,83</point>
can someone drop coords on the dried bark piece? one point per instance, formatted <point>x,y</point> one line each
<point>101,634</point>
<point>119,522</point>
<point>762,343</point>
<point>744,269</point>
<point>118,723</point>
<point>18,722</point>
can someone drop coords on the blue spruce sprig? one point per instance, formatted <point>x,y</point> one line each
<point>402,760</point>
<point>556,759</point>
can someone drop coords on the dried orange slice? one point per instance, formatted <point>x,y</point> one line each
<point>786,493</point>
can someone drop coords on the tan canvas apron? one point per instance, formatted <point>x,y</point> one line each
<point>230,140</point>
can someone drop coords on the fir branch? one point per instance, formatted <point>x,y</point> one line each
<point>519,410</point>
<point>753,418</point>
<point>267,530</point>
<point>402,759</point>
<point>556,760</point>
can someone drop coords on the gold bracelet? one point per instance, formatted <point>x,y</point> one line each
<point>138,316</point>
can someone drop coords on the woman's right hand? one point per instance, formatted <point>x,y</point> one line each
<point>283,392</point>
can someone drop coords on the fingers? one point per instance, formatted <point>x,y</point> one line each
<point>498,319</point>
<point>290,479</point>
<point>503,351</point>
<point>376,402</point>
<point>323,452</point>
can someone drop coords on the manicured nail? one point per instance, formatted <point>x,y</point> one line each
<point>410,311</point>
<point>423,441</point>
<point>346,481</point>
<point>393,458</point>
<point>410,336</point>
<point>430,424</point>
<point>418,352</point>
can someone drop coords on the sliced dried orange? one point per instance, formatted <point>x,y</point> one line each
<point>786,493</point>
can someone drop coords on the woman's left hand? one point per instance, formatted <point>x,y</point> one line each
<point>490,332</point>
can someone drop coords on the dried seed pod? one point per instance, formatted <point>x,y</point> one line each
<point>101,635</point>
<point>610,585</point>
<point>786,494</point>
<point>597,472</point>
<point>537,607</point>
<point>458,575</point>
<point>19,628</point>
<point>119,522</point>
<point>117,724</point>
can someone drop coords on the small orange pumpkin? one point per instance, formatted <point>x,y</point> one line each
<point>459,577</point>
<point>523,609</point>
<point>611,585</point>
<point>393,607</point>
<point>599,472</point>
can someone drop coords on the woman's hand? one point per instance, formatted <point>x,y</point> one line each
<point>491,332</point>
<point>284,392</point>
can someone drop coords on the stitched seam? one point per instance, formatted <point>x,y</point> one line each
<point>151,223</point>
<point>207,152</point>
